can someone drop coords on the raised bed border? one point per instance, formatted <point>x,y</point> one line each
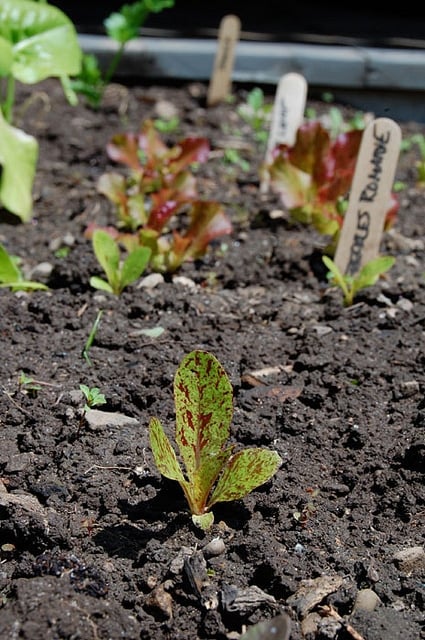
<point>388,82</point>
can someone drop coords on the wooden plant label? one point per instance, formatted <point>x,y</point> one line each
<point>288,114</point>
<point>288,110</point>
<point>370,194</point>
<point>221,79</point>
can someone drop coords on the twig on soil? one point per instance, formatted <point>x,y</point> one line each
<point>98,466</point>
<point>328,610</point>
<point>16,404</point>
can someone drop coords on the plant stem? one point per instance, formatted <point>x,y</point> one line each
<point>110,72</point>
<point>7,107</point>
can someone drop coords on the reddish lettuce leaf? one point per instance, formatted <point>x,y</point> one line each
<point>313,177</point>
<point>159,187</point>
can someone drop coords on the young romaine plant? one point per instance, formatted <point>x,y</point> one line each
<point>11,275</point>
<point>367,276</point>
<point>212,471</point>
<point>313,177</point>
<point>37,41</point>
<point>159,186</point>
<point>119,273</point>
<point>121,26</point>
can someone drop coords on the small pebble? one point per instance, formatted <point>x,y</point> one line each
<point>366,600</point>
<point>214,548</point>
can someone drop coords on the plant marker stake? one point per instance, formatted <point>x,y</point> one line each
<point>220,83</point>
<point>369,199</point>
<point>288,114</point>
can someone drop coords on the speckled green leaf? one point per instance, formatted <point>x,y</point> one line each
<point>245,471</point>
<point>204,408</point>
<point>163,452</point>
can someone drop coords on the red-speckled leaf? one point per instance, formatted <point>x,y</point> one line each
<point>204,408</point>
<point>245,471</point>
<point>163,453</point>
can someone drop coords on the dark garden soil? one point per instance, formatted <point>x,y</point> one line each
<point>95,544</point>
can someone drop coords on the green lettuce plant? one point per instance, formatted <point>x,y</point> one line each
<point>367,276</point>
<point>212,472</point>
<point>313,178</point>
<point>37,41</point>
<point>159,187</point>
<point>11,275</point>
<point>119,272</point>
<point>121,26</point>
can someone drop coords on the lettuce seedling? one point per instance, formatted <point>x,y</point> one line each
<point>367,276</point>
<point>313,177</point>
<point>121,26</point>
<point>212,472</point>
<point>119,273</point>
<point>256,113</point>
<point>37,41</point>
<point>159,186</point>
<point>11,275</point>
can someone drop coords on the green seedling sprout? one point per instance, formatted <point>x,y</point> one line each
<point>91,337</point>
<point>167,125</point>
<point>11,275</point>
<point>211,471</point>
<point>233,157</point>
<point>29,385</point>
<point>367,276</point>
<point>121,26</point>
<point>256,113</point>
<point>119,273</point>
<point>93,398</point>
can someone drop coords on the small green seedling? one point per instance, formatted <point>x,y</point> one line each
<point>167,125</point>
<point>28,385</point>
<point>11,276</point>
<point>91,337</point>
<point>367,276</point>
<point>212,473</point>
<point>256,113</point>
<point>119,273</point>
<point>93,397</point>
<point>233,157</point>
<point>31,386</point>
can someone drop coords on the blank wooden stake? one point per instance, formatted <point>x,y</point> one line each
<point>221,79</point>
<point>370,195</point>
<point>287,115</point>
